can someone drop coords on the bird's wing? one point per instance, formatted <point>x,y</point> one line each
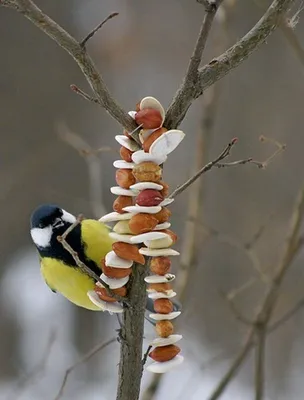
<point>41,267</point>
<point>96,240</point>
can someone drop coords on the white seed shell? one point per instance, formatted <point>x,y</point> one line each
<point>122,227</point>
<point>158,252</point>
<point>146,236</point>
<point>126,142</point>
<point>112,260</point>
<point>151,102</point>
<point>160,295</point>
<point>145,133</point>
<point>104,305</point>
<point>140,156</point>
<point>132,114</point>
<point>161,317</point>
<point>162,243</point>
<point>123,164</point>
<point>123,192</point>
<point>121,238</point>
<point>167,142</point>
<point>146,185</point>
<point>166,202</point>
<point>115,216</point>
<point>142,209</point>
<point>159,341</point>
<point>164,225</point>
<point>114,283</point>
<point>162,367</point>
<point>160,278</point>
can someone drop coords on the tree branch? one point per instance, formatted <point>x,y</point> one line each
<point>132,333</point>
<point>82,360</point>
<point>175,111</point>
<point>260,325</point>
<point>79,54</point>
<point>220,66</point>
<point>93,31</point>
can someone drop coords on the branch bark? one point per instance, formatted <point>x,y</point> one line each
<point>79,54</point>
<point>220,66</point>
<point>132,332</point>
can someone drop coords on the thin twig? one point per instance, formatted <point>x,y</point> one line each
<point>29,9</point>
<point>260,362</point>
<point>237,313</point>
<point>292,246</point>
<point>93,31</point>
<point>83,94</point>
<point>225,153</point>
<point>221,65</point>
<point>95,172</point>
<point>145,357</point>
<point>24,382</point>
<point>192,75</point>
<point>237,362</point>
<point>82,360</point>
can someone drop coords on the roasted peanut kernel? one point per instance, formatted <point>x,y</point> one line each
<point>160,287</point>
<point>121,202</point>
<point>125,178</point>
<point>164,328</point>
<point>150,139</point>
<point>125,154</point>
<point>149,197</point>
<point>102,293</point>
<point>128,252</point>
<point>163,215</point>
<point>163,306</point>
<point>149,118</point>
<point>165,190</point>
<point>142,223</point>
<point>164,353</point>
<point>147,172</point>
<point>160,265</point>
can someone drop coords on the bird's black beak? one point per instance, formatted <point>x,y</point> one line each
<point>58,223</point>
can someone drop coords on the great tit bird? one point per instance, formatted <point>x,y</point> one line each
<point>90,239</point>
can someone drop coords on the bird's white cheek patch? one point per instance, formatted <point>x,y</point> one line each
<point>67,217</point>
<point>42,237</point>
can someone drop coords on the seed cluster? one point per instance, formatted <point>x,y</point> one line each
<point>142,218</point>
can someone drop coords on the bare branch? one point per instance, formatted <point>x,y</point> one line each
<point>82,360</point>
<point>132,333</point>
<point>292,246</point>
<point>24,382</point>
<point>238,361</point>
<point>93,31</point>
<point>144,360</point>
<point>192,75</point>
<point>83,94</point>
<point>225,153</point>
<point>260,362</point>
<point>220,66</point>
<point>29,9</point>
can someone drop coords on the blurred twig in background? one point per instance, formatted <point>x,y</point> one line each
<point>258,331</point>
<point>85,358</point>
<point>39,369</point>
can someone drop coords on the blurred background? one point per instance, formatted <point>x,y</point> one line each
<point>145,51</point>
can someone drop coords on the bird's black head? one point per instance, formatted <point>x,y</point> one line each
<point>47,220</point>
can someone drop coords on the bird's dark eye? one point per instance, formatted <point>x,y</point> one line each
<point>40,225</point>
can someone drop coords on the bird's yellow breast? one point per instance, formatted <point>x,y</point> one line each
<point>71,281</point>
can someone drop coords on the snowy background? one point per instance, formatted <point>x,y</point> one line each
<point>145,51</point>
